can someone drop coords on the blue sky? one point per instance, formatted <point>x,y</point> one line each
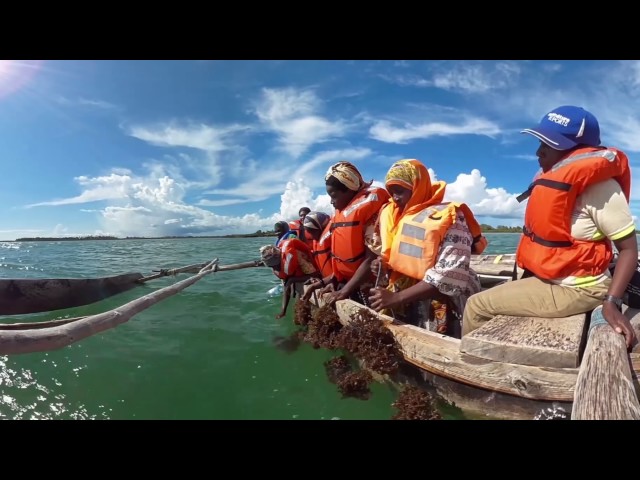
<point>154,148</point>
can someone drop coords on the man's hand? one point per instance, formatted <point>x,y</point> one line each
<point>619,323</point>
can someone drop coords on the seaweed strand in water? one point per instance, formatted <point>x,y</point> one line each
<point>367,338</point>
<point>350,383</point>
<point>302,313</point>
<point>323,329</point>
<point>415,404</point>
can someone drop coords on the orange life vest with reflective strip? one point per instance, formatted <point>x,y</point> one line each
<point>289,266</point>
<point>416,243</point>
<point>347,231</point>
<point>546,247</point>
<point>322,252</point>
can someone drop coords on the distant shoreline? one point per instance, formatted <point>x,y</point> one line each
<point>174,237</point>
<point>247,235</point>
<point>80,239</point>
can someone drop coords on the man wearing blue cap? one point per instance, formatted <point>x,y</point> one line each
<point>578,206</point>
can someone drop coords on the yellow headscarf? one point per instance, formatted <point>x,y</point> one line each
<point>347,174</point>
<point>413,175</point>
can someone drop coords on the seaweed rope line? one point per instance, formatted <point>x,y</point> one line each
<point>363,297</point>
<point>378,276</point>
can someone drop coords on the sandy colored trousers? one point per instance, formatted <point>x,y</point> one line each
<point>530,297</point>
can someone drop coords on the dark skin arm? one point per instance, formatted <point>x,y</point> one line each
<point>625,266</point>
<point>381,298</point>
<point>362,273</point>
<point>286,296</point>
<point>323,283</point>
<point>288,292</point>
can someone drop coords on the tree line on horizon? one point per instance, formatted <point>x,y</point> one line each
<point>258,233</point>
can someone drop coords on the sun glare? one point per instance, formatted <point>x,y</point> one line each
<point>15,74</point>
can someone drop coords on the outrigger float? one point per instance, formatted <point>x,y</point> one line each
<point>26,296</point>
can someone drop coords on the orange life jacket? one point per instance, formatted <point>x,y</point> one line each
<point>289,266</point>
<point>415,246</point>
<point>322,252</point>
<point>546,247</point>
<point>347,231</point>
<point>298,227</point>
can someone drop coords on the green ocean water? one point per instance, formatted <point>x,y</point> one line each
<point>213,351</point>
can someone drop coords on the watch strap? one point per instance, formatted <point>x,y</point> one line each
<point>615,300</point>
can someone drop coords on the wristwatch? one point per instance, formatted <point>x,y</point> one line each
<point>615,300</point>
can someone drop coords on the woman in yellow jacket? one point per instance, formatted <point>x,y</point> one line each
<point>425,251</point>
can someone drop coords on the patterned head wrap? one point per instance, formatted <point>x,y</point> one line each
<point>270,255</point>
<point>347,174</point>
<point>405,174</point>
<point>413,175</point>
<point>316,221</point>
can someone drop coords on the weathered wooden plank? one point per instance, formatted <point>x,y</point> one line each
<point>497,265</point>
<point>440,355</point>
<point>478,403</point>
<point>498,258</point>
<point>604,388</point>
<point>542,342</point>
<point>497,270</point>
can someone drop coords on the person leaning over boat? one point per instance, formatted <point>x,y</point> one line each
<point>578,205</point>
<point>293,263</point>
<point>316,225</point>
<point>357,204</point>
<point>283,232</point>
<point>425,250</point>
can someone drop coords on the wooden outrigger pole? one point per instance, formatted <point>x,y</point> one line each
<point>51,335</point>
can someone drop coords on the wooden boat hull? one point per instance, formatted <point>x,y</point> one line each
<point>486,387</point>
<point>22,296</point>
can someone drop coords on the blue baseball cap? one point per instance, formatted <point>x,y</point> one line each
<point>567,126</point>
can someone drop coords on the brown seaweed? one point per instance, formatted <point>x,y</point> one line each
<point>322,331</point>
<point>355,384</point>
<point>368,339</point>
<point>337,368</point>
<point>415,404</point>
<point>302,313</point>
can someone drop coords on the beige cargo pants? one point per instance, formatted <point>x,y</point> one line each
<point>530,297</point>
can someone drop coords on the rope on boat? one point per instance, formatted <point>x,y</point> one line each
<point>196,267</point>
